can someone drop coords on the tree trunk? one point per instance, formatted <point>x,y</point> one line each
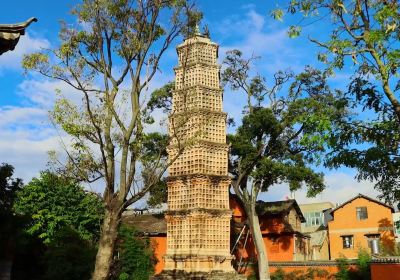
<point>108,237</point>
<point>263,267</point>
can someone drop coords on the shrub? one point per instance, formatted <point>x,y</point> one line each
<point>135,256</point>
<point>69,256</point>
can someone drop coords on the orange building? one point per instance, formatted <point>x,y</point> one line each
<point>361,222</point>
<point>153,226</point>
<point>280,223</point>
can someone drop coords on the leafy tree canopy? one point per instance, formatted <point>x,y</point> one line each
<point>364,34</point>
<point>8,187</point>
<point>282,134</point>
<point>53,203</point>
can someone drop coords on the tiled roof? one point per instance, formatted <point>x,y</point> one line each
<point>393,259</point>
<point>151,224</point>
<point>278,207</point>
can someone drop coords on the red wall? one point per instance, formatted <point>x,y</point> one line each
<point>385,271</point>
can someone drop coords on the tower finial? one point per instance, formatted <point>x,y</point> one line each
<point>197,30</point>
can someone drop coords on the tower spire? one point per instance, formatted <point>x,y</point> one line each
<point>197,30</point>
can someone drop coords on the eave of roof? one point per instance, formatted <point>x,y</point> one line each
<point>10,34</point>
<point>365,197</point>
<point>17,27</point>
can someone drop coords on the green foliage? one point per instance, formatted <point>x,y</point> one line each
<point>310,274</point>
<point>109,58</point>
<point>279,142</point>
<point>53,203</point>
<point>362,34</point>
<point>158,194</point>
<point>162,98</point>
<point>277,14</point>
<point>294,31</point>
<point>362,271</point>
<point>279,274</point>
<point>135,260</point>
<point>9,187</point>
<point>68,256</point>
<point>283,134</point>
<point>343,269</point>
<point>363,262</point>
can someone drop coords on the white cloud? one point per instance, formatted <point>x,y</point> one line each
<point>22,115</point>
<point>25,138</point>
<point>28,157</point>
<point>341,187</point>
<point>12,60</point>
<point>252,35</point>
<point>42,92</point>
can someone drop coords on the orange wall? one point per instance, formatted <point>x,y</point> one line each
<point>385,271</point>
<point>280,250</point>
<point>345,223</point>
<point>159,245</point>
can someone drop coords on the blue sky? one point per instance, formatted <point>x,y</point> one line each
<point>26,134</point>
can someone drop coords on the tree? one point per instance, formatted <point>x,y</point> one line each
<point>110,59</point>
<point>365,34</point>
<point>9,186</point>
<point>53,203</point>
<point>136,260</point>
<point>281,136</point>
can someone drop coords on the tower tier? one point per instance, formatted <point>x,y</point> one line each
<point>197,125</point>
<point>199,233</point>
<point>197,97</point>
<point>201,158</point>
<point>198,192</point>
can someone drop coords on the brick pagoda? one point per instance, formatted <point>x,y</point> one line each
<point>198,216</point>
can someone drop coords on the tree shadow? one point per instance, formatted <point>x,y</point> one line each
<point>385,227</point>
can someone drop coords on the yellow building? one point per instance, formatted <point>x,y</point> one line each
<point>361,222</point>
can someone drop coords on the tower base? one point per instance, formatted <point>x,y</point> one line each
<point>183,275</point>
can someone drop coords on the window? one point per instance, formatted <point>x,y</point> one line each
<point>371,238</point>
<point>313,219</point>
<point>397,227</point>
<point>347,241</point>
<point>362,213</point>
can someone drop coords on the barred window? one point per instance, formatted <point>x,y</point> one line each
<point>347,241</point>
<point>362,213</point>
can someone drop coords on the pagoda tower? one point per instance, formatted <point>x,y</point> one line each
<point>198,215</point>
